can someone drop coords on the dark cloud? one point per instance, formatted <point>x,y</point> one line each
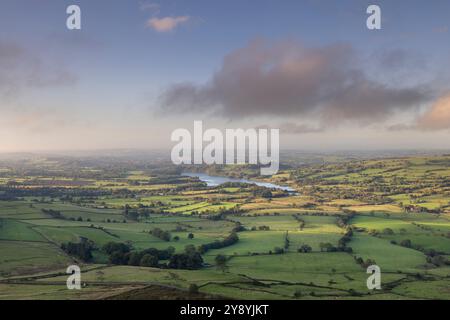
<point>287,80</point>
<point>398,59</point>
<point>21,69</point>
<point>400,127</point>
<point>292,128</point>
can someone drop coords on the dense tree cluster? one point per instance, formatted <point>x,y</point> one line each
<point>364,264</point>
<point>161,234</point>
<point>112,247</point>
<point>436,259</point>
<point>238,227</point>
<point>406,243</point>
<point>228,241</point>
<point>53,213</point>
<point>191,259</point>
<point>121,254</point>
<point>81,250</point>
<point>14,192</point>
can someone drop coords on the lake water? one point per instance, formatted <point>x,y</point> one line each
<point>214,181</point>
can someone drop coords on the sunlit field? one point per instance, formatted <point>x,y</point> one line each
<point>395,212</point>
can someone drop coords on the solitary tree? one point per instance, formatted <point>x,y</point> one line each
<point>193,288</point>
<point>305,248</point>
<point>221,262</point>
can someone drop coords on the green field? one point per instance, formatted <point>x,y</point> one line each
<point>394,213</point>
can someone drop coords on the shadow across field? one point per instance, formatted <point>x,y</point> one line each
<point>157,292</point>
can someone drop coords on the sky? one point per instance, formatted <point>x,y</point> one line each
<point>137,70</point>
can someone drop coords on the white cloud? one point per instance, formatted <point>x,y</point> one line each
<point>167,24</point>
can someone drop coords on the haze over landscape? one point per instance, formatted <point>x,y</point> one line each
<point>102,198</point>
<point>137,70</point>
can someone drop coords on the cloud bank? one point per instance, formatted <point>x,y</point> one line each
<point>287,79</point>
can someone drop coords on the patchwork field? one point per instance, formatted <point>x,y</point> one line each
<point>142,232</point>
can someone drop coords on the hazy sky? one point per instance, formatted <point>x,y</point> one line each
<point>139,69</point>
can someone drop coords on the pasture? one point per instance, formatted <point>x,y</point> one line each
<point>312,244</point>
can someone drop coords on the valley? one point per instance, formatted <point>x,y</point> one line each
<point>139,226</point>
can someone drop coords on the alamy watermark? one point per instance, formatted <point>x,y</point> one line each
<point>74,280</point>
<point>236,146</point>
<point>374,281</point>
<point>374,20</point>
<point>73,21</point>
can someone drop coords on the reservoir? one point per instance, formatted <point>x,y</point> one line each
<point>214,181</point>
